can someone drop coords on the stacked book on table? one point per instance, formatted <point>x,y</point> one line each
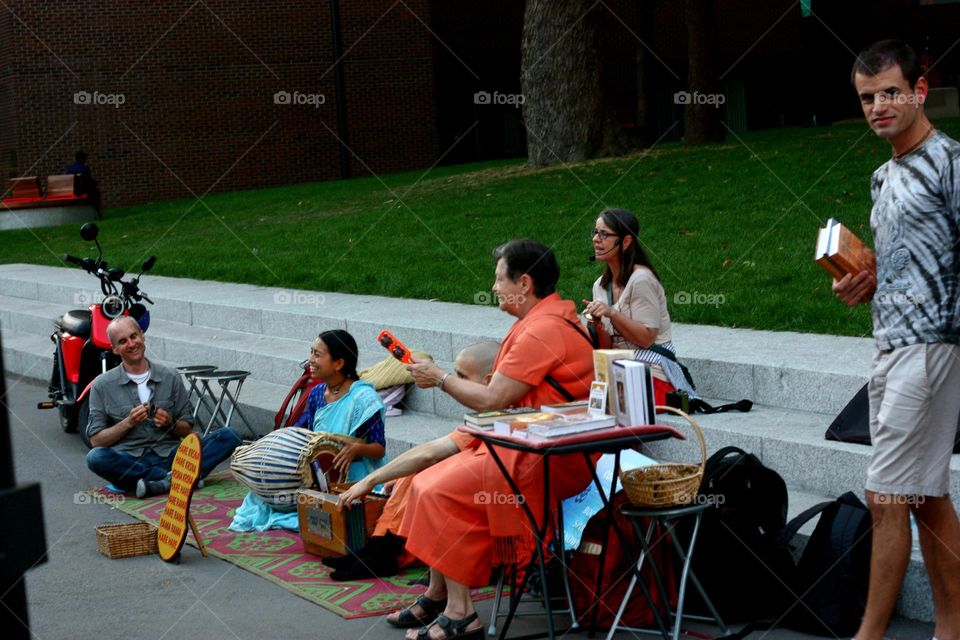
<point>484,419</point>
<point>552,421</point>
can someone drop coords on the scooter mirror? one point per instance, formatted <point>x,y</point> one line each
<point>89,231</point>
<point>148,263</point>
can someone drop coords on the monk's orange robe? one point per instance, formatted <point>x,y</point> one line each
<point>461,516</point>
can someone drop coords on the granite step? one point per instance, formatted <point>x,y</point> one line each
<point>269,358</point>
<point>786,369</point>
<point>28,356</point>
<point>789,441</point>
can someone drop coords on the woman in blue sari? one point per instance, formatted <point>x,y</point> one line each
<point>342,404</point>
<point>345,405</point>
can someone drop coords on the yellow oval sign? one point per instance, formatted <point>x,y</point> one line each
<point>176,514</point>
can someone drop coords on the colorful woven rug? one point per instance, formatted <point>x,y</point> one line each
<point>278,555</point>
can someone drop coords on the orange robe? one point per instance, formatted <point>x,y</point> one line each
<point>461,516</point>
<point>392,515</point>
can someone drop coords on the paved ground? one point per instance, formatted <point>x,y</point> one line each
<point>81,594</point>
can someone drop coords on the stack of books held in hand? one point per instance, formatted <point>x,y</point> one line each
<point>839,251</point>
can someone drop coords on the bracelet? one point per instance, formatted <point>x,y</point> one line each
<point>442,380</point>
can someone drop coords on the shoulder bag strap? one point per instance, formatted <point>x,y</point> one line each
<point>553,381</point>
<point>663,351</point>
<point>560,388</point>
<point>579,329</point>
<point>786,535</point>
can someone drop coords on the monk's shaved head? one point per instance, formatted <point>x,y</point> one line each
<point>476,361</point>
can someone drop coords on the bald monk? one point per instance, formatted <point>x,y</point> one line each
<point>459,519</point>
<point>383,554</point>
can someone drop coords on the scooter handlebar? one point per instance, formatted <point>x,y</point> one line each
<point>86,263</point>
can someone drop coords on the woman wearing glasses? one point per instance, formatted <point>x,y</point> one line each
<point>629,307</point>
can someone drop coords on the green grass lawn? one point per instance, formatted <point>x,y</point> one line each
<point>730,227</point>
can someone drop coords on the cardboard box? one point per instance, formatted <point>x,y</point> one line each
<point>328,532</point>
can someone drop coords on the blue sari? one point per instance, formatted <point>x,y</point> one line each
<point>346,416</point>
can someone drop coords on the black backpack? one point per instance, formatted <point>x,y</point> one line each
<point>831,577</point>
<point>737,558</point>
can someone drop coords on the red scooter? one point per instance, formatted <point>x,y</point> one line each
<point>81,347</point>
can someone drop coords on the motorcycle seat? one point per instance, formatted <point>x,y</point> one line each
<point>75,322</point>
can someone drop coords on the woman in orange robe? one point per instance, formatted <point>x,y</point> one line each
<point>462,518</point>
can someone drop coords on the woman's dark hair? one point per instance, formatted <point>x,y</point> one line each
<point>525,256</point>
<point>884,54</point>
<point>624,224</point>
<point>341,345</point>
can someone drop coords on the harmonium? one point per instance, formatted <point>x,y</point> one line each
<point>328,532</point>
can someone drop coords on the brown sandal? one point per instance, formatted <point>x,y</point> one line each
<point>408,620</point>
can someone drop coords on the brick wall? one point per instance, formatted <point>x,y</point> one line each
<point>8,121</point>
<point>175,98</point>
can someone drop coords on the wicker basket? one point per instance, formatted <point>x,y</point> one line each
<point>667,484</point>
<point>126,540</point>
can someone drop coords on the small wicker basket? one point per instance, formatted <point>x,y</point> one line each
<point>116,540</point>
<point>667,484</point>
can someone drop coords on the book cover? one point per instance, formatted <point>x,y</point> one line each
<point>487,418</point>
<point>578,509</point>
<point>839,251</point>
<point>567,425</point>
<point>633,393</point>
<point>603,368</point>
<point>574,406</point>
<point>510,425</point>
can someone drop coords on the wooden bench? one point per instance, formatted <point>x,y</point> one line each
<point>24,193</point>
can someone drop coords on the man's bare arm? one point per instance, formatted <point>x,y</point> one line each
<point>111,435</point>
<point>411,461</point>
<point>502,392</point>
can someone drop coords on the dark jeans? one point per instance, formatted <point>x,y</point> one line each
<point>123,470</point>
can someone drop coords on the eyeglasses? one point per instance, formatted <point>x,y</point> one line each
<point>603,235</point>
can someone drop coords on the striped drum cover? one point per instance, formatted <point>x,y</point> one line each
<point>269,466</point>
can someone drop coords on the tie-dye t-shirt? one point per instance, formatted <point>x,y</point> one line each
<point>916,231</point>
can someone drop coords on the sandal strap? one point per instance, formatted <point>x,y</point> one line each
<point>453,628</point>
<point>430,609</point>
<point>429,605</point>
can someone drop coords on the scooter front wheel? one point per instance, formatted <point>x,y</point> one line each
<point>83,417</point>
<point>68,418</point>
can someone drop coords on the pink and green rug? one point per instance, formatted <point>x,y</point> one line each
<point>278,555</point>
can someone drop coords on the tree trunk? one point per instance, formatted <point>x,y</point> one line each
<point>560,79</point>
<point>645,89</point>
<point>702,112</point>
